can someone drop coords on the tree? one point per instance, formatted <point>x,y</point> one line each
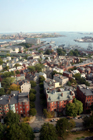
<point>32,111</point>
<point>17,72</point>
<point>14,87</point>
<point>61,126</point>
<point>77,76</point>
<point>6,82</point>
<point>41,79</point>
<point>27,130</point>
<point>41,85</point>
<point>48,132</point>
<point>48,52</point>
<point>2,92</point>
<point>33,91</point>
<point>75,108</point>
<point>2,130</point>
<point>1,61</point>
<point>33,84</point>
<point>32,97</point>
<point>72,123</point>
<point>17,65</point>
<point>11,118</point>
<point>6,68</point>
<point>39,67</point>
<point>14,132</point>
<point>61,51</point>
<point>31,69</point>
<point>8,74</point>
<point>32,104</point>
<point>88,121</point>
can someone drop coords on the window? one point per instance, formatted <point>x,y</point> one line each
<point>27,106</point>
<point>21,111</point>
<point>16,108</point>
<point>20,106</point>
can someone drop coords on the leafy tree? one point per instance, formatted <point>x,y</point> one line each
<point>39,67</point>
<point>2,130</point>
<point>48,114</point>
<point>77,76</point>
<point>8,74</point>
<point>61,126</point>
<point>6,68</point>
<point>32,97</point>
<point>33,84</point>
<point>14,87</point>
<point>32,111</point>
<point>48,52</point>
<point>27,130</point>
<point>69,83</point>
<point>72,109</point>
<point>72,123</point>
<point>1,61</point>
<point>31,69</point>
<point>41,85</point>
<point>6,82</point>
<point>33,91</point>
<point>41,79</point>
<point>32,104</point>
<point>17,65</point>
<point>61,51</point>
<point>88,121</point>
<point>2,92</point>
<point>17,72</point>
<point>11,118</point>
<point>14,132</point>
<point>48,132</point>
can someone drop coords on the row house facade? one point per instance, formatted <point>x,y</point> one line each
<point>17,102</point>
<point>85,95</point>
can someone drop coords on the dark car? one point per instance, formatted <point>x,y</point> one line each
<point>36,130</point>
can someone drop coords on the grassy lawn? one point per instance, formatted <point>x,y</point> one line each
<point>77,135</point>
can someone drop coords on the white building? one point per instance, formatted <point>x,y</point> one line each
<point>61,79</point>
<point>34,41</point>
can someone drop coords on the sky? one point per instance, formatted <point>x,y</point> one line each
<point>46,15</point>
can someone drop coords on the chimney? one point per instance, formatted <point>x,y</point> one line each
<point>62,94</point>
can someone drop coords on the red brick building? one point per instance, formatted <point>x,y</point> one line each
<point>85,95</point>
<point>67,74</point>
<point>17,102</point>
<point>57,100</point>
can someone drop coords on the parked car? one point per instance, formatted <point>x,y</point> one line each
<point>36,130</point>
<point>53,120</point>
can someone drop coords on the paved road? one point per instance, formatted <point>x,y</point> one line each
<point>38,105</point>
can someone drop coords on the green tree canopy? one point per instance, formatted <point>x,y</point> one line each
<point>33,91</point>
<point>1,61</point>
<point>41,79</point>
<point>19,132</point>
<point>33,84</point>
<point>61,126</point>
<point>17,72</point>
<point>61,51</point>
<point>2,92</point>
<point>32,111</point>
<point>31,68</point>
<point>32,97</point>
<point>48,132</point>
<point>11,118</point>
<point>75,108</point>
<point>6,82</point>
<point>17,65</point>
<point>2,130</point>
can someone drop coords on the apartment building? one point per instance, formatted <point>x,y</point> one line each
<point>17,102</point>
<point>57,99</point>
<point>25,86</point>
<point>61,79</point>
<point>85,95</point>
